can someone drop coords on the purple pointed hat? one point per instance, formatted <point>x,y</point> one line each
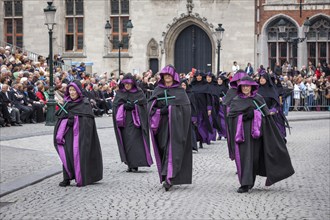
<point>170,70</point>
<point>246,80</point>
<point>239,75</point>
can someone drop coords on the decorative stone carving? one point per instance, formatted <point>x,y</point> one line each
<point>190,5</point>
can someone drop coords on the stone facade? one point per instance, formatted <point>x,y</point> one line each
<point>155,20</point>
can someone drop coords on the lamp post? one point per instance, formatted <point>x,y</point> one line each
<point>219,35</point>
<point>108,28</point>
<point>50,11</point>
<point>294,40</point>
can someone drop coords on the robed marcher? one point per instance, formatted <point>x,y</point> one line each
<point>257,144</point>
<point>230,95</point>
<point>170,124</point>
<point>193,104</point>
<point>130,121</point>
<point>76,139</point>
<point>203,97</point>
<point>268,90</point>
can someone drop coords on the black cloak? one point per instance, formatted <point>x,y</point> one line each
<point>257,143</point>
<point>131,126</point>
<point>193,105</point>
<point>269,92</point>
<point>171,131</point>
<point>76,140</point>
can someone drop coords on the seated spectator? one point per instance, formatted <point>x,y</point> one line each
<point>39,108</point>
<point>22,104</point>
<point>109,96</point>
<point>7,98</point>
<point>41,92</point>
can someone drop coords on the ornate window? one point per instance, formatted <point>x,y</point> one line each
<point>119,16</point>
<point>74,25</point>
<point>13,22</point>
<point>279,48</point>
<point>318,41</point>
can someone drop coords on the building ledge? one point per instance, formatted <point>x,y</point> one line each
<point>73,55</point>
<point>115,55</point>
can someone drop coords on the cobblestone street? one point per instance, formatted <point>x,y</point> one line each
<point>121,195</point>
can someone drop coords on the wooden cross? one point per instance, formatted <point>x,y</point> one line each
<point>259,107</point>
<point>62,108</point>
<point>166,98</point>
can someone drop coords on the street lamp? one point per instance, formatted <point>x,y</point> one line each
<point>219,35</point>
<point>108,28</point>
<point>50,11</point>
<point>295,40</point>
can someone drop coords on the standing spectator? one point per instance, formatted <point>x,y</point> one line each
<point>303,71</point>
<point>278,69</point>
<point>310,71</point>
<point>235,67</point>
<point>296,94</point>
<point>286,68</point>
<point>326,69</point>
<point>249,69</point>
<point>287,94</point>
<point>310,87</point>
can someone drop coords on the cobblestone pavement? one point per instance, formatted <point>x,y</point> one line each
<point>121,195</point>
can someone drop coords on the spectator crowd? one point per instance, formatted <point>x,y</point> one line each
<point>25,85</point>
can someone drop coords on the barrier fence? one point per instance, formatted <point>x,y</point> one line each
<point>314,103</point>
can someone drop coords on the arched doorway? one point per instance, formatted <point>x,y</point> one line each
<point>192,49</point>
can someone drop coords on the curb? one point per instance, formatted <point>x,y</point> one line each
<point>309,118</point>
<point>27,180</point>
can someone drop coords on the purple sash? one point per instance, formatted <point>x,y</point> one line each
<point>121,116</point>
<point>239,137</point>
<point>256,124</point>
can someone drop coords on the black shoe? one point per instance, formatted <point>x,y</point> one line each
<point>15,124</point>
<point>64,183</point>
<point>135,169</point>
<point>33,121</point>
<point>243,189</point>
<point>129,170</point>
<point>167,186</point>
<point>219,138</point>
<point>200,144</point>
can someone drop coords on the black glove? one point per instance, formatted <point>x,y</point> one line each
<point>70,121</point>
<point>128,106</point>
<point>164,110</point>
<point>249,114</point>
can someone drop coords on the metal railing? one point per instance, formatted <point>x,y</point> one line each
<point>31,55</point>
<point>318,103</point>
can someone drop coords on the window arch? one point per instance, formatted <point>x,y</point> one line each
<point>318,40</point>
<point>280,49</point>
